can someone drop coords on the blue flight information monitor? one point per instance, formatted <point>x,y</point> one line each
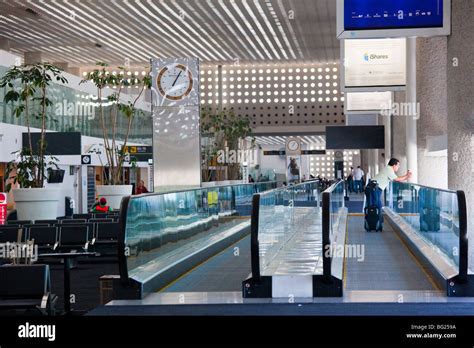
<point>392,14</point>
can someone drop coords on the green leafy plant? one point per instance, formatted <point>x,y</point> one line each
<point>28,86</point>
<point>225,130</point>
<point>102,79</point>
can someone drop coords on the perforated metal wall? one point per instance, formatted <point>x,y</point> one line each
<point>276,94</point>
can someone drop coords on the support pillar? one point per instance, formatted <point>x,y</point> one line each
<point>461,109</point>
<point>411,120</point>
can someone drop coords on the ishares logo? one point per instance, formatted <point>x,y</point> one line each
<point>369,57</point>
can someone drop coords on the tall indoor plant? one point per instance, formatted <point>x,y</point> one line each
<point>225,132</point>
<point>115,188</point>
<point>28,92</point>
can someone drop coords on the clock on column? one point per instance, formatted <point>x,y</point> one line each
<point>293,145</point>
<point>175,81</point>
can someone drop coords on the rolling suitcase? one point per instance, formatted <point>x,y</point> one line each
<point>373,220</point>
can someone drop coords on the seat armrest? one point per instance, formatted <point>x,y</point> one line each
<point>44,301</point>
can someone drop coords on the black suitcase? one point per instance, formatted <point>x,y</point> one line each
<point>373,215</point>
<point>373,219</point>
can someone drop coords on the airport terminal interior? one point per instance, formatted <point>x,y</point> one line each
<point>236,157</point>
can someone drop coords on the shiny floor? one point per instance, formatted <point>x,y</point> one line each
<point>350,296</point>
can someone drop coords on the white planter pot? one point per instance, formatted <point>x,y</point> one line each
<point>114,193</point>
<point>36,203</point>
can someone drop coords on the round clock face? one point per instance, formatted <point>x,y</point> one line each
<point>293,145</point>
<point>175,81</point>
<point>338,154</point>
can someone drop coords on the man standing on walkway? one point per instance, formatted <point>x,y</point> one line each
<point>383,178</point>
<point>358,175</point>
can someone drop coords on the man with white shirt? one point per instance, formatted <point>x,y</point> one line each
<point>358,175</point>
<point>380,182</point>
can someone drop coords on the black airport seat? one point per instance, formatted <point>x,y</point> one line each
<point>82,216</point>
<point>107,232</point>
<point>12,215</point>
<point>73,221</point>
<point>115,217</point>
<point>100,215</point>
<point>46,222</point>
<point>19,222</point>
<point>46,237</point>
<point>75,236</point>
<point>100,220</point>
<point>26,287</point>
<point>12,234</point>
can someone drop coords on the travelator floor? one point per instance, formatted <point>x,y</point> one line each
<point>387,281</point>
<point>387,264</point>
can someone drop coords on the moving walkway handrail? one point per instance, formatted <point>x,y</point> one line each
<point>326,225</point>
<point>125,204</point>
<point>463,241</point>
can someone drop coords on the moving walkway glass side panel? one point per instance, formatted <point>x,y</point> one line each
<point>336,205</point>
<point>283,214</point>
<point>159,227</point>
<point>432,213</point>
<point>334,229</point>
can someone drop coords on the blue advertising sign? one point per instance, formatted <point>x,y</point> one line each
<point>392,14</point>
<point>393,18</point>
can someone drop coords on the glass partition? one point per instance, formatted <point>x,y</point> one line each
<point>159,226</point>
<point>433,214</point>
<point>76,111</point>
<point>263,174</point>
<point>289,230</point>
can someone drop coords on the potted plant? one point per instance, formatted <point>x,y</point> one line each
<point>225,133</point>
<point>114,188</point>
<point>28,86</point>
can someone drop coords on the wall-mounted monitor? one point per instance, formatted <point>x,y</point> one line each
<point>55,176</point>
<point>373,65</point>
<point>393,18</point>
<point>355,137</point>
<point>367,102</point>
<point>57,143</point>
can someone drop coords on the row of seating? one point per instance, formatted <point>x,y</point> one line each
<point>26,288</point>
<point>74,220</point>
<point>63,237</point>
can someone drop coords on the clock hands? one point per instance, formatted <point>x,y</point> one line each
<point>177,77</point>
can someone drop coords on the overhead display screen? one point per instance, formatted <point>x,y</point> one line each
<point>393,18</point>
<point>392,14</point>
<point>379,63</point>
<point>355,137</point>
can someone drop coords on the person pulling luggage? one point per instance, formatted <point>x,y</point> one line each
<point>374,190</point>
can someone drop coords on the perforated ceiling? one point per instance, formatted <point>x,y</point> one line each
<point>276,95</point>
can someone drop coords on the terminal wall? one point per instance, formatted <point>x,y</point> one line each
<point>460,78</point>
<point>432,97</point>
